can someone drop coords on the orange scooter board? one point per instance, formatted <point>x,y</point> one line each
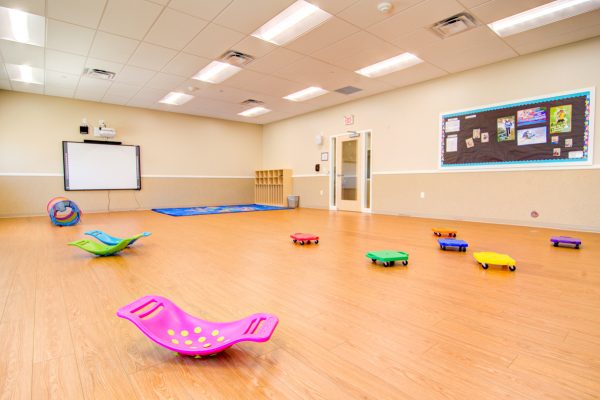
<point>444,232</point>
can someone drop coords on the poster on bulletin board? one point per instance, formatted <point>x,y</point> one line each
<point>551,130</point>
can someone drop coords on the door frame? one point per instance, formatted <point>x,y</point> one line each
<point>363,152</point>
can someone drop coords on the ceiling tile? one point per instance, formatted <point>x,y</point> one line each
<point>134,75</point>
<point>416,73</point>
<point>422,15</point>
<point>247,16</point>
<point>151,57</point>
<point>186,65</point>
<point>357,51</point>
<point>205,9</point>
<point>213,41</point>
<point>130,18</point>
<point>227,94</point>
<point>64,62</point>
<point>86,13</point>
<point>498,9</point>
<point>562,32</point>
<point>175,29</point>
<point>91,89</point>
<point>31,6</point>
<point>112,48</point>
<point>278,87</point>
<point>122,90</point>
<point>245,79</point>
<point>312,72</point>
<point>27,87</point>
<point>68,37</point>
<point>332,6</point>
<point>324,35</point>
<point>292,107</point>
<point>278,58</point>
<point>255,47</point>
<point>472,3</point>
<point>470,49</point>
<point>146,97</point>
<point>19,53</point>
<point>59,91</point>
<point>165,81</point>
<point>116,99</point>
<point>364,13</point>
<point>417,40</point>
<point>61,80</point>
<point>105,65</point>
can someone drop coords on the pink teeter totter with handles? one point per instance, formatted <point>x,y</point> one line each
<point>169,326</point>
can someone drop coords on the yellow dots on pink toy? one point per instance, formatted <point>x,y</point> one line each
<point>197,329</point>
<point>188,342</point>
<point>221,338</point>
<point>207,345</point>
<point>202,339</point>
<point>175,341</point>
<point>171,332</point>
<point>215,332</point>
<point>184,333</point>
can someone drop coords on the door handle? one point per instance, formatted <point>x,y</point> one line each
<point>340,175</point>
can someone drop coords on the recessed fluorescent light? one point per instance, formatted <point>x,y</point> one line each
<point>390,65</point>
<point>542,15</point>
<point>25,74</point>
<point>22,27</point>
<point>291,23</point>
<point>216,72</point>
<point>306,94</point>
<point>255,111</point>
<point>176,98</point>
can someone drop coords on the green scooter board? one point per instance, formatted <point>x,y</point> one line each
<point>388,257</point>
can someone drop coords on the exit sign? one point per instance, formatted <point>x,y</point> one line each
<point>349,119</point>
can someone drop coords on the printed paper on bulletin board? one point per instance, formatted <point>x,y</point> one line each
<point>554,129</point>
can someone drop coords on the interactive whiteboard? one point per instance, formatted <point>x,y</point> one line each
<point>93,166</point>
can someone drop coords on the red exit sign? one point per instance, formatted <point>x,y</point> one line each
<point>349,119</point>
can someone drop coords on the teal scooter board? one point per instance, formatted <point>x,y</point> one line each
<point>388,257</point>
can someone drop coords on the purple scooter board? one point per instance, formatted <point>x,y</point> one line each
<point>556,240</point>
<point>460,244</point>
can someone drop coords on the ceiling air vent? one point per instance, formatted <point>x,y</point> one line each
<point>99,74</point>
<point>348,90</point>
<point>236,58</point>
<point>252,102</point>
<point>456,24</point>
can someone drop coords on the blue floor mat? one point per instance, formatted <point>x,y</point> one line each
<point>180,212</point>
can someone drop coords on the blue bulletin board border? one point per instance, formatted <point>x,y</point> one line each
<point>589,93</point>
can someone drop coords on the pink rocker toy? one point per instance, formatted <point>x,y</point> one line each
<point>304,238</point>
<point>171,327</point>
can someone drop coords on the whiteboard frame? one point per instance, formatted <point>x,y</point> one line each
<point>66,174</point>
<point>524,166</point>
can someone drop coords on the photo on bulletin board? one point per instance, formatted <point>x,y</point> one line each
<point>524,133</point>
<point>531,136</point>
<point>560,119</point>
<point>531,116</point>
<point>506,129</point>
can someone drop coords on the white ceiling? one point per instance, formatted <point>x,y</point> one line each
<point>157,46</point>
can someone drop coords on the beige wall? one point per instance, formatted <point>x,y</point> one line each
<point>32,128</point>
<point>405,143</point>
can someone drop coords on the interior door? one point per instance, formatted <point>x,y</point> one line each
<point>349,173</point>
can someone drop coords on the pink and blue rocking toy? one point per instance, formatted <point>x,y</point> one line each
<point>171,327</point>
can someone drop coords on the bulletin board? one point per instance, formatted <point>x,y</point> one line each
<point>553,130</point>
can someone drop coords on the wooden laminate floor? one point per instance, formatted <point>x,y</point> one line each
<point>441,328</point>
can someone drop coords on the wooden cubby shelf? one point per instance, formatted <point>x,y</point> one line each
<point>272,186</point>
